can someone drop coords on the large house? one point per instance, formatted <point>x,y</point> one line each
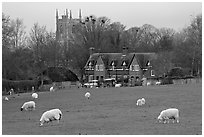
<point>128,68</point>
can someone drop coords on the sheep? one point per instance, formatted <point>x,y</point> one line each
<point>34,95</point>
<point>139,102</point>
<point>158,83</point>
<point>117,85</point>
<point>52,89</point>
<point>148,83</point>
<point>51,115</point>
<point>143,101</point>
<point>11,91</point>
<point>30,105</point>
<point>6,98</point>
<point>87,95</point>
<point>171,113</point>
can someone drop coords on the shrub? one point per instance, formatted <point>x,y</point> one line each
<point>18,86</point>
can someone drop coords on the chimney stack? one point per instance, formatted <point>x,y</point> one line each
<point>91,50</point>
<point>125,50</point>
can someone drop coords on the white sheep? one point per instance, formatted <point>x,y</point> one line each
<point>52,89</point>
<point>34,95</point>
<point>51,115</point>
<point>30,105</point>
<point>143,101</point>
<point>117,85</point>
<point>6,98</point>
<point>87,95</point>
<point>148,83</point>
<point>166,115</point>
<point>139,102</point>
<point>158,83</point>
<point>11,92</point>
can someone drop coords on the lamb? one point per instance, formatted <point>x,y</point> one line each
<point>30,105</point>
<point>52,89</point>
<point>117,85</point>
<point>143,101</point>
<point>139,102</point>
<point>51,115</point>
<point>166,115</point>
<point>6,98</point>
<point>34,95</point>
<point>87,95</point>
<point>11,92</point>
<point>158,83</point>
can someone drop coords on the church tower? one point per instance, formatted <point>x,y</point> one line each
<point>65,25</point>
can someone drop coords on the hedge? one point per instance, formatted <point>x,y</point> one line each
<point>18,86</point>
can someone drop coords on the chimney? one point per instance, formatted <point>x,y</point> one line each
<point>70,14</point>
<point>125,50</point>
<point>80,14</point>
<point>66,13</point>
<point>91,50</point>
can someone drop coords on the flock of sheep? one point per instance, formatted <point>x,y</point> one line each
<point>56,114</point>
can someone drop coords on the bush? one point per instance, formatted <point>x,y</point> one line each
<point>18,86</point>
<point>166,80</point>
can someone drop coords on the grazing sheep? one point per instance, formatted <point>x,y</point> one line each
<point>166,115</point>
<point>117,85</point>
<point>148,83</point>
<point>52,89</point>
<point>6,98</point>
<point>139,102</point>
<point>158,83</point>
<point>30,105</point>
<point>34,95</point>
<point>87,95</point>
<point>143,101</point>
<point>51,115</point>
<point>11,92</point>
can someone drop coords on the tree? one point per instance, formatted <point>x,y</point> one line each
<point>147,38</point>
<point>188,46</point>
<point>19,34</point>
<point>37,44</point>
<point>115,37</point>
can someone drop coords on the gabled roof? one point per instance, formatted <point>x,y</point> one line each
<point>119,58</point>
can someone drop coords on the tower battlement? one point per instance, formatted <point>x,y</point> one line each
<point>64,25</point>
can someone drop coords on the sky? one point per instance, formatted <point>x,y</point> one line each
<point>176,15</point>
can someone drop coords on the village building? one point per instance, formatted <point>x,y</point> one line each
<point>126,68</point>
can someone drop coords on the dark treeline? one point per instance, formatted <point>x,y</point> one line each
<point>26,56</point>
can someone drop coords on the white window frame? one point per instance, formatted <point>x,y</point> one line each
<point>152,73</point>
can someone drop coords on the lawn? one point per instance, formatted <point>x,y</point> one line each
<point>110,111</point>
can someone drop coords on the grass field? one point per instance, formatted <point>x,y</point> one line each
<point>110,111</point>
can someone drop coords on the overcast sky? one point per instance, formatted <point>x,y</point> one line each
<point>172,15</point>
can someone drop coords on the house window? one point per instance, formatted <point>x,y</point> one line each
<point>90,66</point>
<point>90,77</point>
<point>99,67</point>
<point>124,63</point>
<point>97,77</point>
<point>134,68</point>
<point>113,65</point>
<point>152,73</point>
<point>101,77</point>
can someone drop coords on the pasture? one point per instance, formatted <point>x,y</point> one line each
<point>109,111</point>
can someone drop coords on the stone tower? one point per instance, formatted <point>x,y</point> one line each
<point>64,25</point>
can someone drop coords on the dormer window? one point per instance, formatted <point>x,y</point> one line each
<point>124,63</point>
<point>113,65</point>
<point>90,65</point>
